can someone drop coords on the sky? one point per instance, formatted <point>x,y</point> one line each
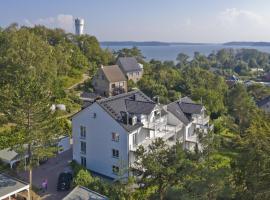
<point>208,21</point>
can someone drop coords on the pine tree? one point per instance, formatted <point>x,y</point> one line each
<point>35,128</point>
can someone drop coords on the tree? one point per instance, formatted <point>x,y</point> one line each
<point>207,87</point>
<point>35,127</point>
<point>83,178</point>
<point>182,59</point>
<point>210,177</point>
<point>251,168</point>
<point>162,167</point>
<point>241,106</point>
<point>133,52</point>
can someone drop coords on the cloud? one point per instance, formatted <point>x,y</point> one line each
<point>63,21</point>
<point>234,16</point>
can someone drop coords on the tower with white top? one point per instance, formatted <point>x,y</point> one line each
<point>79,26</point>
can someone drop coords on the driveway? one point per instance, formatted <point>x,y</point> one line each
<point>50,170</point>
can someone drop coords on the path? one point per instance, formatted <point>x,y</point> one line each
<point>50,170</point>
<point>85,77</point>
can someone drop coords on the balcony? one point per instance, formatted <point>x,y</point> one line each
<point>156,124</point>
<point>201,120</point>
<point>166,133</point>
<point>118,90</point>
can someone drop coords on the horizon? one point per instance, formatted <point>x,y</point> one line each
<point>172,21</point>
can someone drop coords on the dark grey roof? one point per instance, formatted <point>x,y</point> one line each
<point>135,102</point>
<point>89,95</point>
<point>263,101</point>
<point>82,193</point>
<point>129,64</point>
<point>9,185</point>
<point>139,107</point>
<point>184,108</point>
<point>177,112</point>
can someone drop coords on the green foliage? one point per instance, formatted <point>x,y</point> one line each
<point>83,178</point>
<point>133,52</point>
<point>162,167</point>
<point>258,91</point>
<point>252,164</point>
<point>241,106</point>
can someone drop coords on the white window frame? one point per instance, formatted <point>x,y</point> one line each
<point>82,132</point>
<point>115,137</point>
<point>83,151</point>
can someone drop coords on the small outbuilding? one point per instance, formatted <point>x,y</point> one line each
<point>79,193</point>
<point>12,188</point>
<point>11,157</point>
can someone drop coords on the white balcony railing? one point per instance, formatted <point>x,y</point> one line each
<point>166,133</point>
<point>201,120</point>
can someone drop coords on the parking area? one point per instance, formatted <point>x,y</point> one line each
<point>50,171</point>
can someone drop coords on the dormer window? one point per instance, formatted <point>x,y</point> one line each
<point>156,112</point>
<point>132,120</point>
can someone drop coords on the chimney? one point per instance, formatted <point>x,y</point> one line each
<point>156,99</point>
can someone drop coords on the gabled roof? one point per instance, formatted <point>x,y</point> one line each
<point>183,108</point>
<point>129,64</point>
<point>263,101</point>
<point>82,193</point>
<point>8,155</point>
<point>135,102</point>
<point>113,73</point>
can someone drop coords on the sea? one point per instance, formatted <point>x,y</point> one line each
<point>170,52</point>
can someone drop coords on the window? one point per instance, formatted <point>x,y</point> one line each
<point>134,139</point>
<point>83,131</point>
<point>137,73</point>
<point>115,153</point>
<point>83,147</point>
<point>115,137</point>
<point>113,85</point>
<point>83,161</point>
<point>115,169</point>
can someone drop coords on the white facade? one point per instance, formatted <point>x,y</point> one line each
<point>100,126</point>
<point>99,145</point>
<point>188,135</point>
<point>79,26</point>
<point>102,144</point>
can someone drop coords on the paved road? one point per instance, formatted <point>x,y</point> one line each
<point>50,170</point>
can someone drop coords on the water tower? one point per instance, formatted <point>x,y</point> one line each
<point>79,25</point>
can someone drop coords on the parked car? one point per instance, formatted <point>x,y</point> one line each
<point>64,181</point>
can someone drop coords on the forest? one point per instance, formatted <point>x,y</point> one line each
<point>38,65</point>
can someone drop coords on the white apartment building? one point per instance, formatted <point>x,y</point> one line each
<point>108,132</point>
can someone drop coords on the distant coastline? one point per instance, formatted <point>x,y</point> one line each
<point>147,43</point>
<point>251,44</point>
<point>156,43</point>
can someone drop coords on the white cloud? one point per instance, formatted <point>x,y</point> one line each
<point>63,21</point>
<point>239,24</point>
<point>233,16</point>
